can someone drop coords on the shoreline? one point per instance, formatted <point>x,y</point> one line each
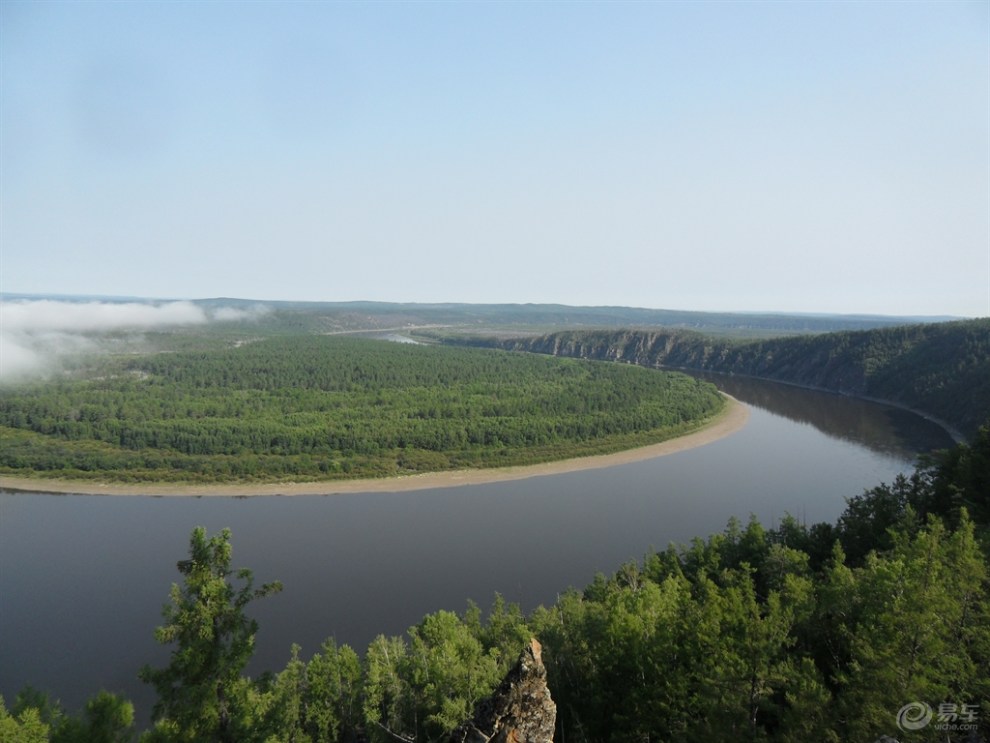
<point>731,420</point>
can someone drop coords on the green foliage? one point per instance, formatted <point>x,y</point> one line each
<point>333,710</point>
<point>747,636</point>
<point>200,693</point>
<point>317,408</point>
<point>23,727</point>
<point>448,670</point>
<point>923,612</point>
<point>690,649</point>
<point>425,687</point>
<point>107,718</point>
<point>940,368</point>
<point>944,484</point>
<point>314,702</point>
<point>751,635</point>
<point>388,706</point>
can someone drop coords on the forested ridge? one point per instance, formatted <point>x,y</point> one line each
<point>829,632</point>
<point>941,369</point>
<point>310,407</point>
<point>330,316</point>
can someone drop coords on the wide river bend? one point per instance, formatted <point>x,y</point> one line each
<point>83,578</point>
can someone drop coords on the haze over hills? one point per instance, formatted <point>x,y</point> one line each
<point>936,365</point>
<point>374,315</point>
<point>651,188</point>
<point>172,386</point>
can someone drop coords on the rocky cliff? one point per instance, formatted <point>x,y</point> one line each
<point>941,369</point>
<point>519,711</point>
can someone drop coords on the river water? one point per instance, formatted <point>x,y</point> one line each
<point>83,578</point>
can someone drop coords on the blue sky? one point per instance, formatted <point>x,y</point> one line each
<point>816,157</point>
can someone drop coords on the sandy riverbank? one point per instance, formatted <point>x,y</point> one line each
<point>731,420</point>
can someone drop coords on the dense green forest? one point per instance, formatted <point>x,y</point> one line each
<point>941,369</point>
<point>825,632</point>
<point>310,407</point>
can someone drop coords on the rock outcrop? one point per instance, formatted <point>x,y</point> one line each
<point>520,710</point>
<point>939,369</point>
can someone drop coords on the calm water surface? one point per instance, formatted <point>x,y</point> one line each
<point>83,578</point>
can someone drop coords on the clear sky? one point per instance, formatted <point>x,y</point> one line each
<point>816,157</point>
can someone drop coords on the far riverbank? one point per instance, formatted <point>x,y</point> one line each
<point>730,420</point>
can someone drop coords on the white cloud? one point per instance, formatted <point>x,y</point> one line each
<point>94,317</point>
<point>35,335</point>
<point>17,358</point>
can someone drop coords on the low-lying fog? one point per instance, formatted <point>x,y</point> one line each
<point>38,336</point>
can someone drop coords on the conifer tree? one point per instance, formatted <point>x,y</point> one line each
<point>201,695</point>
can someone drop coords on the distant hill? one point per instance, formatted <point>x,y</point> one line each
<point>362,315</point>
<point>940,369</point>
<point>935,365</point>
<point>548,316</point>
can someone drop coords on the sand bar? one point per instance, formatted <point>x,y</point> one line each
<point>732,419</point>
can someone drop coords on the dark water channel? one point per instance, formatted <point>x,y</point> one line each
<point>83,578</point>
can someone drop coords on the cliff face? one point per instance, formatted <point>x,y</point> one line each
<point>519,711</point>
<point>941,369</point>
<point>798,361</point>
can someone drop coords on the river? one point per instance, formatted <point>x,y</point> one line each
<point>83,578</point>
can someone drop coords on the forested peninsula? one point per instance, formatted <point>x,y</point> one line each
<point>849,631</point>
<point>289,393</point>
<point>939,369</point>
<point>305,408</point>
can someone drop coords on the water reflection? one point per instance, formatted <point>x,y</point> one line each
<point>880,428</point>
<point>82,578</point>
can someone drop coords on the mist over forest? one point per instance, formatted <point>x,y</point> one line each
<point>38,334</point>
<point>239,392</point>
